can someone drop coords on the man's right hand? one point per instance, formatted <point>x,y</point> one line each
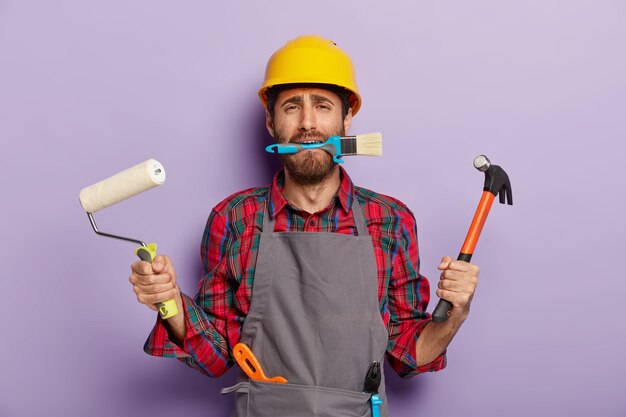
<point>155,283</point>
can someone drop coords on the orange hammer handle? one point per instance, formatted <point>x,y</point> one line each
<point>251,366</point>
<point>484,205</point>
<point>441,312</point>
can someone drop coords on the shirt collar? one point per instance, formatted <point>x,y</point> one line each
<point>277,200</point>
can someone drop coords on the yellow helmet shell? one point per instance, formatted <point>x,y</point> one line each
<point>311,59</point>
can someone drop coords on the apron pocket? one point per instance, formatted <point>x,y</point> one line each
<point>267,399</point>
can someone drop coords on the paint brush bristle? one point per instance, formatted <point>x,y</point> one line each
<point>369,144</point>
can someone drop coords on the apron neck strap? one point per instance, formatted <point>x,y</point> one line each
<point>359,218</point>
<point>268,220</point>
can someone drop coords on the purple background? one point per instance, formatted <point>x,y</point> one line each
<point>90,88</point>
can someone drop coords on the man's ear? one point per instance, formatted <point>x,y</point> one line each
<point>269,123</point>
<point>347,121</point>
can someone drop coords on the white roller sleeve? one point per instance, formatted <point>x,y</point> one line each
<point>123,185</point>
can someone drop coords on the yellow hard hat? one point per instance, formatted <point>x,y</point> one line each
<point>311,59</point>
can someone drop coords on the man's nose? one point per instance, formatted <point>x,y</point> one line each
<point>307,118</point>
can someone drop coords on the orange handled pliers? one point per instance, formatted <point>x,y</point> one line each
<point>251,366</point>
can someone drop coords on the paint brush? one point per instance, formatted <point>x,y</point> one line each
<point>368,144</point>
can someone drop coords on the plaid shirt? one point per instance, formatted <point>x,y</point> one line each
<point>229,248</point>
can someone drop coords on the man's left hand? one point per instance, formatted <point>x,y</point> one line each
<point>457,285</point>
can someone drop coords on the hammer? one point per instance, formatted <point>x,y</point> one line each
<point>496,182</point>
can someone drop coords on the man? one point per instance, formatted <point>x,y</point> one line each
<point>319,277</point>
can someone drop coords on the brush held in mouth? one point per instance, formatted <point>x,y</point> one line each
<point>336,146</point>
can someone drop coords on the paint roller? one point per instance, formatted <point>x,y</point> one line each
<point>119,187</point>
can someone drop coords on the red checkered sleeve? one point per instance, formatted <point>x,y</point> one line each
<point>205,346</point>
<point>408,293</point>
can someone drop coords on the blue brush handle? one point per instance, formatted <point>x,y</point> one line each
<point>282,149</point>
<point>332,146</point>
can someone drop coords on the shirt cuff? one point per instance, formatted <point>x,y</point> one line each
<point>407,367</point>
<point>204,349</point>
<point>159,343</point>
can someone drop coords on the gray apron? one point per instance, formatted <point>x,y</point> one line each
<point>314,319</point>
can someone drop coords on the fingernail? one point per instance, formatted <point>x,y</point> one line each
<point>156,265</point>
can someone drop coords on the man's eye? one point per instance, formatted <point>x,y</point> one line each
<point>323,106</point>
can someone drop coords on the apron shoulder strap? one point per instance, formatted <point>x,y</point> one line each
<point>268,220</point>
<point>358,213</point>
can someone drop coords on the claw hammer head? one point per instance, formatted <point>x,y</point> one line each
<point>496,179</point>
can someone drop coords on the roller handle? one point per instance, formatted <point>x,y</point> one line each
<point>147,253</point>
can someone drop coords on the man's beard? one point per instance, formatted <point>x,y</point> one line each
<point>310,167</point>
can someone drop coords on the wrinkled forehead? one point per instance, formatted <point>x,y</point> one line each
<point>308,93</point>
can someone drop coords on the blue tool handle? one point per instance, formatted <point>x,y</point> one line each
<point>376,402</point>
<point>292,147</point>
<point>282,149</point>
<point>332,146</point>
